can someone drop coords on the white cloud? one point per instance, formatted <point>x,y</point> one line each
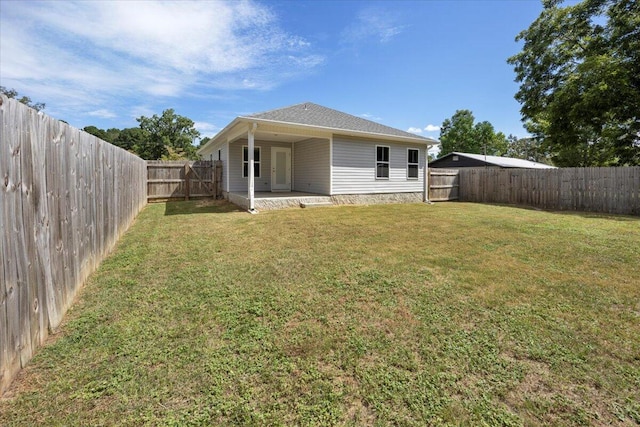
<point>414,130</point>
<point>373,23</point>
<point>371,117</point>
<point>206,129</point>
<point>102,113</point>
<point>87,54</point>
<point>432,128</point>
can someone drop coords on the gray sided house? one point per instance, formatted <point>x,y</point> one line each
<point>308,152</point>
<point>457,160</point>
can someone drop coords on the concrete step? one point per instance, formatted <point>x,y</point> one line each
<point>315,204</point>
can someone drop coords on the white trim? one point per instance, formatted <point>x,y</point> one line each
<point>250,169</point>
<point>293,165</point>
<point>331,164</point>
<point>255,147</point>
<point>359,133</point>
<point>425,180</point>
<point>288,168</point>
<point>225,173</point>
<point>331,131</point>
<point>388,162</point>
<point>412,178</point>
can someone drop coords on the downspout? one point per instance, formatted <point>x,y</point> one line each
<point>250,148</point>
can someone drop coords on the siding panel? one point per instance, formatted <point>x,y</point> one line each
<point>311,166</point>
<point>354,168</point>
<point>234,166</point>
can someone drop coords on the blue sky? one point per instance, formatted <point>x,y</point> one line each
<point>405,64</point>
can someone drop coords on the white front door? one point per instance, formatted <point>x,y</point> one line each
<point>280,169</point>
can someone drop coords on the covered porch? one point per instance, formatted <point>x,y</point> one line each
<point>264,200</point>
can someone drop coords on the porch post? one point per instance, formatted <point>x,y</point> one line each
<point>250,148</point>
<point>426,176</point>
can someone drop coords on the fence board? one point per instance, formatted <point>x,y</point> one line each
<point>182,180</point>
<point>443,185</point>
<point>594,189</point>
<point>65,199</point>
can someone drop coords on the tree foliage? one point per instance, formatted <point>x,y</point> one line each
<point>529,148</point>
<point>461,133</point>
<point>579,74</point>
<point>167,130</point>
<point>12,93</point>
<point>169,136</point>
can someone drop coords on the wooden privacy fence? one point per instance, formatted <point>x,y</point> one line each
<point>183,180</point>
<point>65,199</point>
<point>607,190</point>
<point>443,185</point>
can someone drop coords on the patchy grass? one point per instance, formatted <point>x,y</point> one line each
<point>459,314</point>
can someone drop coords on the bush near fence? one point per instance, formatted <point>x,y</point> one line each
<point>613,190</point>
<point>65,199</point>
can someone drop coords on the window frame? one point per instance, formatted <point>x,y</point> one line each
<point>383,162</point>
<point>415,164</point>
<point>257,163</point>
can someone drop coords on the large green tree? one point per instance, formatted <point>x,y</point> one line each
<point>131,139</point>
<point>579,74</point>
<point>168,130</point>
<point>461,133</point>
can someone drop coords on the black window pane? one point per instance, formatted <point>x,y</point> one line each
<point>382,154</point>
<point>413,156</point>
<point>245,154</point>
<point>256,154</point>
<point>382,170</point>
<point>245,169</point>
<point>256,170</point>
<point>413,171</point>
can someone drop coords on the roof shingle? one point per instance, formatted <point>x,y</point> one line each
<point>312,114</point>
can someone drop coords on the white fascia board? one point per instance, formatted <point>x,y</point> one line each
<point>218,137</point>
<point>355,133</point>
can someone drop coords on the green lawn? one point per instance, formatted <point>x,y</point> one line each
<point>454,313</point>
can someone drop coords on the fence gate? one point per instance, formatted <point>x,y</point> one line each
<point>183,180</point>
<point>444,184</point>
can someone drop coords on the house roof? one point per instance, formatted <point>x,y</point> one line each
<point>503,162</point>
<point>321,119</point>
<point>308,113</point>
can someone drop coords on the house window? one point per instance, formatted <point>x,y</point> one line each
<point>412,163</point>
<point>245,161</point>
<point>455,158</point>
<point>382,162</point>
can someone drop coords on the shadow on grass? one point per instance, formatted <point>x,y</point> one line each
<point>199,207</point>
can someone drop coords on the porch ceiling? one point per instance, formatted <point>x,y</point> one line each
<point>276,133</point>
<point>279,137</point>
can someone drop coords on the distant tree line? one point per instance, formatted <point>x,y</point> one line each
<point>461,133</point>
<point>165,137</point>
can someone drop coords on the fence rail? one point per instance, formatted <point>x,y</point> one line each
<point>606,190</point>
<point>184,180</point>
<point>444,185</point>
<point>65,199</point>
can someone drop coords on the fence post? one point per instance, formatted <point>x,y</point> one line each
<point>187,179</point>
<point>217,173</point>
